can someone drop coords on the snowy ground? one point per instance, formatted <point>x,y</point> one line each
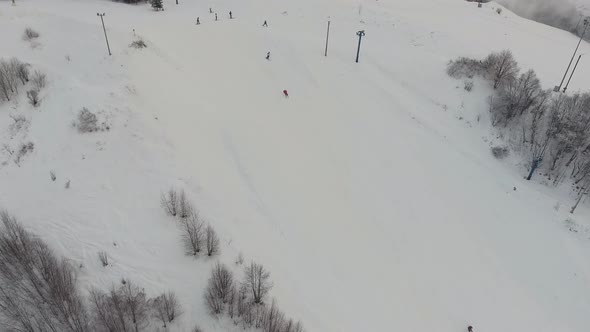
<point>370,193</point>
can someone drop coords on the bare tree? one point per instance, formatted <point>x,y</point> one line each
<point>214,303</point>
<point>167,308</point>
<point>501,67</point>
<point>38,291</point>
<point>274,319</point>
<point>110,310</point>
<point>212,241</point>
<point>185,208</point>
<point>292,326</point>
<point>232,299</point>
<point>242,303</point>
<point>23,72</point>
<point>4,84</point>
<point>258,281</point>
<point>516,97</point>
<point>221,282</point>
<point>10,74</point>
<point>136,304</point>
<point>169,202</point>
<point>192,236</point>
<point>537,135</point>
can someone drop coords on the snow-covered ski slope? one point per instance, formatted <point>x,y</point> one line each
<point>370,193</point>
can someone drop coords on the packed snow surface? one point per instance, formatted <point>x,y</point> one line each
<point>370,193</point>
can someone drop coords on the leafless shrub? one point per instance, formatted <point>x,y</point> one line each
<point>137,305</point>
<point>139,43</point>
<point>22,71</point>
<point>232,299</point>
<point>33,96</point>
<point>67,185</point>
<point>52,175</point>
<point>257,278</point>
<point>220,290</point>
<point>5,83</point>
<point>38,290</point>
<point>212,241</point>
<point>125,308</point>
<point>104,258</point>
<point>19,122</point>
<point>221,282</point>
<point>197,329</point>
<point>515,97</point>
<point>499,10</point>
<point>292,326</point>
<point>500,152</point>
<point>109,310</point>
<point>240,259</point>
<point>214,303</point>
<point>39,80</point>
<point>185,208</point>
<point>169,202</point>
<point>23,150</point>
<point>468,85</point>
<point>192,236</point>
<point>9,77</point>
<point>259,315</point>
<point>166,308</point>
<point>464,67</point>
<point>30,34</point>
<point>274,319</point>
<point>242,303</point>
<point>86,122</point>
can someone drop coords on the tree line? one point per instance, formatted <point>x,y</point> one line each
<point>550,130</point>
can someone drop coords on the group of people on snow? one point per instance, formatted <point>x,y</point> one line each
<point>231,16</point>
<point>265,24</point>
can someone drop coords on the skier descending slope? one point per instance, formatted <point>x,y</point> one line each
<point>287,96</point>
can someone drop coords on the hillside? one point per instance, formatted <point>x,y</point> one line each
<point>370,193</point>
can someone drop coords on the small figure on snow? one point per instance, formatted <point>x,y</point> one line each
<point>198,22</point>
<point>210,10</point>
<point>287,96</point>
<point>469,328</point>
<point>216,16</point>
<point>230,15</point>
<point>265,24</point>
<point>267,55</point>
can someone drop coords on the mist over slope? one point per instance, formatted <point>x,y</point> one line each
<point>562,14</point>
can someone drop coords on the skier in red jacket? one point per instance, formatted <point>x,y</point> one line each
<point>285,93</point>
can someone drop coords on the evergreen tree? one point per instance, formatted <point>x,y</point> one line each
<point>157,4</point>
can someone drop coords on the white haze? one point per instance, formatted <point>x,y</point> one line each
<point>562,14</point>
